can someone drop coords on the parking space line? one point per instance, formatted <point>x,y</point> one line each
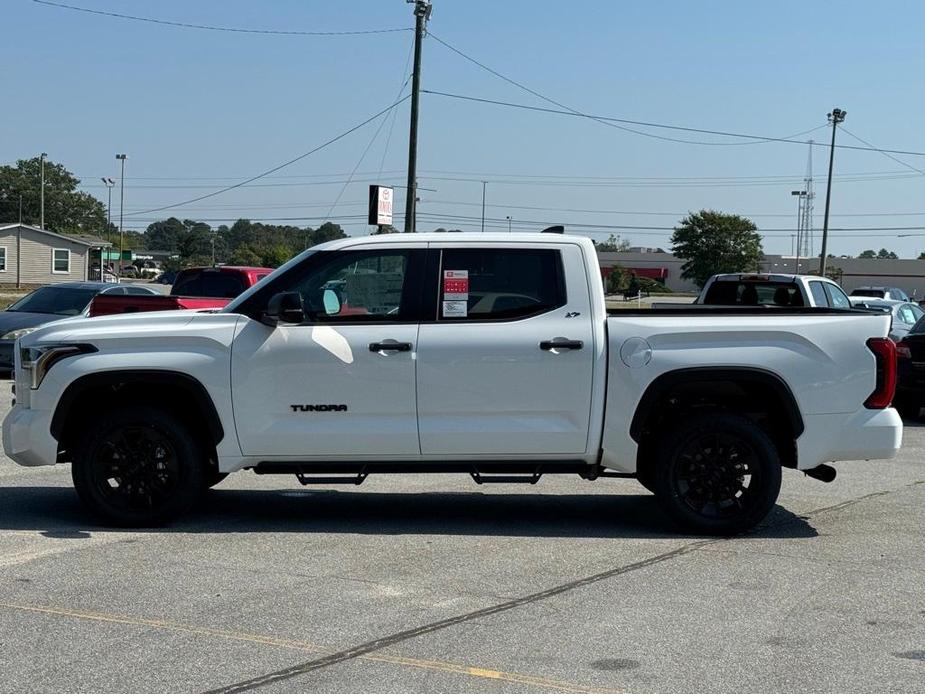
<point>304,646</point>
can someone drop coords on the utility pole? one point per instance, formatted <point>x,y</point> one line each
<point>121,158</point>
<point>42,193</point>
<point>835,117</point>
<point>509,224</point>
<point>483,206</point>
<point>422,10</point>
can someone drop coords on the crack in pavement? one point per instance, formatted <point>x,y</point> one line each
<point>387,641</point>
<point>401,636</point>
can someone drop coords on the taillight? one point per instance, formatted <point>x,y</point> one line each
<point>884,350</point>
<point>902,350</point>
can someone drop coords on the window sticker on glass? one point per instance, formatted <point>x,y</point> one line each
<point>455,286</point>
<point>455,309</point>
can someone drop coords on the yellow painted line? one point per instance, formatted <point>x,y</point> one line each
<point>381,657</point>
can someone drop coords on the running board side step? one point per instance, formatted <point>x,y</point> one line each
<point>479,478</point>
<point>481,471</point>
<point>356,480</point>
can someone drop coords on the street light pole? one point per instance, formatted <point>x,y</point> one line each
<point>42,193</point>
<point>509,224</point>
<point>109,183</point>
<point>835,117</point>
<point>121,158</point>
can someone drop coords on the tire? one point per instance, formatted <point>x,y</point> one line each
<point>717,474</point>
<point>138,467</point>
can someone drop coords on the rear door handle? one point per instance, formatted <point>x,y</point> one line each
<point>559,343</point>
<point>389,346</point>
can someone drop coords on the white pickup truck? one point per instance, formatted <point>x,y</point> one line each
<point>774,290</point>
<point>484,354</point>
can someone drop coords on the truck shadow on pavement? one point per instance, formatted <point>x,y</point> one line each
<point>56,512</point>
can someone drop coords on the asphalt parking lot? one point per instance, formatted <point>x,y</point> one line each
<point>433,584</point>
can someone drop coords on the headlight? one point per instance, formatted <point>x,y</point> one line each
<point>39,360</point>
<point>15,334</point>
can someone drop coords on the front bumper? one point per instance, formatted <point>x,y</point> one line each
<point>862,435</point>
<point>27,437</point>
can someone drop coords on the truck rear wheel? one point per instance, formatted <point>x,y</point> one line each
<point>138,467</point>
<point>717,474</point>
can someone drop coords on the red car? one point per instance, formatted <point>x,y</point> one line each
<point>194,288</point>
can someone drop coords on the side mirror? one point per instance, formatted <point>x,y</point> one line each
<point>285,307</point>
<point>331,302</point>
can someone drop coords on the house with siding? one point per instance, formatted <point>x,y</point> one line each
<point>33,256</point>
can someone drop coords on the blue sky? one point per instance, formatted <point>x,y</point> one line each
<point>197,110</point>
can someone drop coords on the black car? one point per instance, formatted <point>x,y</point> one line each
<point>910,372</point>
<point>51,303</point>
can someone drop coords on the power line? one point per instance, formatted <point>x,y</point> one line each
<point>582,225</point>
<point>604,121</point>
<point>724,133</point>
<point>883,152</point>
<point>280,166</point>
<point>481,174</point>
<point>650,213</point>
<point>372,140</point>
<point>209,27</point>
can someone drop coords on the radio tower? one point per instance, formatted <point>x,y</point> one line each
<point>806,242</point>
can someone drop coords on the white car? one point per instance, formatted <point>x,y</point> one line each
<point>484,354</point>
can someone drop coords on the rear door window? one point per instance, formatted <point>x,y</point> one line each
<point>481,284</point>
<point>837,298</point>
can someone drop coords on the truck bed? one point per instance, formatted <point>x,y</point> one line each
<point>107,305</point>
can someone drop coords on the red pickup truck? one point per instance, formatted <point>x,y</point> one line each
<point>194,288</point>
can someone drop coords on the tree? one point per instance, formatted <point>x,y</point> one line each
<point>165,235</point>
<point>386,229</point>
<point>326,232</point>
<point>869,253</point>
<point>921,256</point>
<point>712,242</point>
<point>884,254</point>
<point>613,244</point>
<point>67,210</point>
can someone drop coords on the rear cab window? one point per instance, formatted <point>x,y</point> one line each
<point>497,284</point>
<point>747,292</point>
<point>211,284</point>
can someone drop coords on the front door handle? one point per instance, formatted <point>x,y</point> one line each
<point>389,346</point>
<point>560,343</point>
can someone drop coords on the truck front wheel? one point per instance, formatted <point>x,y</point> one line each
<point>717,474</point>
<point>138,467</point>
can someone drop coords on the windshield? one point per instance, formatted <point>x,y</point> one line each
<point>751,293</point>
<point>877,293</point>
<point>59,301</point>
<point>233,306</point>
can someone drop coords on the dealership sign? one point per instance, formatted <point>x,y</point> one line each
<point>380,205</point>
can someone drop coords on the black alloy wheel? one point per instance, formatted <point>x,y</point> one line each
<point>138,467</point>
<point>717,474</point>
